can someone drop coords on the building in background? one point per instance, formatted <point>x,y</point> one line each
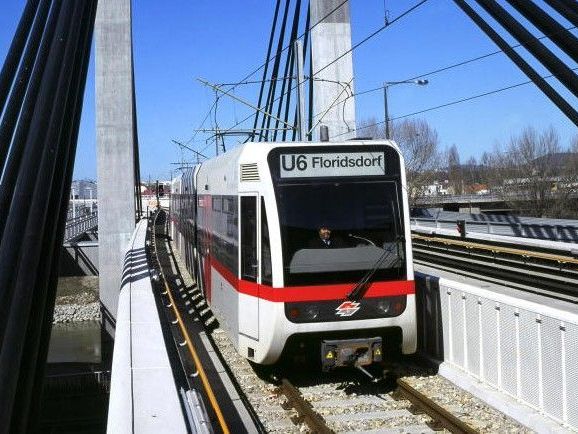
<point>84,189</point>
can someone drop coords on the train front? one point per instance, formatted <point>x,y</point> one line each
<point>342,269</point>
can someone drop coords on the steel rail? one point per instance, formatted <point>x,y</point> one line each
<point>481,274</point>
<point>561,259</point>
<point>435,411</point>
<point>537,282</point>
<point>191,348</point>
<point>547,276</point>
<point>306,413</point>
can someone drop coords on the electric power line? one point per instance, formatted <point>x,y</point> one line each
<point>375,33</point>
<point>357,45</point>
<point>459,101</point>
<point>262,66</point>
<point>452,66</point>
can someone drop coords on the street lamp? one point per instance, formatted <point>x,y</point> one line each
<point>387,84</point>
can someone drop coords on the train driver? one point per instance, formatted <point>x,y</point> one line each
<point>324,240</point>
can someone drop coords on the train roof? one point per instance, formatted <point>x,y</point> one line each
<point>257,151</point>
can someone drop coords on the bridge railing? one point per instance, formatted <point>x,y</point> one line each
<point>544,231</point>
<point>459,198</point>
<point>523,347</point>
<point>79,225</point>
<point>143,393</point>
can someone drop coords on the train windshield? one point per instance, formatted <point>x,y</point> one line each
<point>335,232</point>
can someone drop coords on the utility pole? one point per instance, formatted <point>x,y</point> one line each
<point>386,113</point>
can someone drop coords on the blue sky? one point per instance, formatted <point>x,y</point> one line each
<point>178,41</point>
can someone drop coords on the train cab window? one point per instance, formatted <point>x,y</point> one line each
<point>366,231</point>
<point>249,265</point>
<point>266,269</point>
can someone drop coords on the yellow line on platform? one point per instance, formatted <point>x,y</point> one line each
<point>194,355</point>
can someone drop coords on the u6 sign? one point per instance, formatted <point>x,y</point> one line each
<point>332,164</point>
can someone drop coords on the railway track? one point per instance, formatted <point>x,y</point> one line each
<point>297,401</point>
<point>403,410</point>
<point>545,273</point>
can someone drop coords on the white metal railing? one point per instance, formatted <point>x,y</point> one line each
<point>459,198</point>
<point>79,225</point>
<point>522,347</point>
<point>479,198</point>
<point>558,232</point>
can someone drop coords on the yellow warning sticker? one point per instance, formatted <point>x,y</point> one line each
<point>377,352</point>
<point>329,355</point>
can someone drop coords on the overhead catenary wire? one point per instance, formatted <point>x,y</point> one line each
<point>440,106</point>
<point>453,65</point>
<point>360,43</point>
<point>305,33</point>
<point>448,67</point>
<point>433,72</point>
<point>357,45</point>
<point>372,35</point>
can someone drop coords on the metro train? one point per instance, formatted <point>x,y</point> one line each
<point>302,249</point>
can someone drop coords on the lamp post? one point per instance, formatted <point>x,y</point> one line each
<point>387,84</point>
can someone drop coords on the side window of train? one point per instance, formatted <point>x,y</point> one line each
<point>266,269</point>
<point>249,263</point>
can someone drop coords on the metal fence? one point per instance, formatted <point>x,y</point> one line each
<point>525,349</point>
<point>79,225</point>
<point>544,229</point>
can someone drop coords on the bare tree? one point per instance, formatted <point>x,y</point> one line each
<point>419,145</point>
<point>418,142</point>
<point>455,174</point>
<point>371,128</point>
<point>537,176</point>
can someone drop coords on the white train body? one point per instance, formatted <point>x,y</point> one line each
<point>247,223</point>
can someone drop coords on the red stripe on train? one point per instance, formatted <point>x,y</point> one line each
<point>311,293</point>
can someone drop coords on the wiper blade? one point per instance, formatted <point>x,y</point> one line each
<point>359,290</point>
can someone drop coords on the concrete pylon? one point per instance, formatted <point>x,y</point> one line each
<point>329,40</point>
<point>115,146</point>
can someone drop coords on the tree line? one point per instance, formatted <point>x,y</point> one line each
<point>533,172</point>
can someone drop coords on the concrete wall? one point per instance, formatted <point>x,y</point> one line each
<point>143,394</point>
<point>329,40</point>
<point>114,130</point>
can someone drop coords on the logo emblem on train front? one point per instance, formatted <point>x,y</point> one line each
<point>347,308</point>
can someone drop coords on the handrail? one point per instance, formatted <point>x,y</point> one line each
<point>80,225</point>
<point>563,230</point>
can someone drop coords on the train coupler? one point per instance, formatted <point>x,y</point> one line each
<point>351,352</point>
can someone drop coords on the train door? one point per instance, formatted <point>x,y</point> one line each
<point>249,266</point>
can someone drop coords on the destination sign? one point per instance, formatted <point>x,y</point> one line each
<point>332,164</point>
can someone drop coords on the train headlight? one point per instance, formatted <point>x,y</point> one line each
<point>311,312</point>
<point>383,306</point>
